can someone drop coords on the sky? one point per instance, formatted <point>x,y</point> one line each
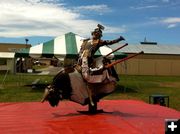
<point>135,20</point>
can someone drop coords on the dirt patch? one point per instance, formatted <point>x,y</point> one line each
<point>170,84</point>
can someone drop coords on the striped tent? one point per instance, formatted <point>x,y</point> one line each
<point>67,45</point>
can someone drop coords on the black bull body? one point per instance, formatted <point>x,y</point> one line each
<point>72,86</point>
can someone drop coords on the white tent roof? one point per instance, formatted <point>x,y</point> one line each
<point>67,45</point>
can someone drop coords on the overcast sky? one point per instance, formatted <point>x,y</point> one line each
<point>42,20</point>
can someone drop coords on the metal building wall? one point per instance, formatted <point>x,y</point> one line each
<point>151,65</point>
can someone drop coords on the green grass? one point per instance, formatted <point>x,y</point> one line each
<point>141,87</point>
<point>15,88</point>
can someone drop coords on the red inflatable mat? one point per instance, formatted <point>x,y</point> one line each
<point>123,116</point>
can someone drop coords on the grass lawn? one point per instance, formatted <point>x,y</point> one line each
<point>15,88</point>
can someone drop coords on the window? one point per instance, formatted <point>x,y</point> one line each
<point>3,62</point>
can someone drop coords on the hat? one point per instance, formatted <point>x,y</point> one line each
<point>98,30</point>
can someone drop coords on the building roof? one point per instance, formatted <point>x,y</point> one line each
<point>152,49</point>
<point>12,47</point>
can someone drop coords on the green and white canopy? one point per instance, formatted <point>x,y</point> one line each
<point>67,45</point>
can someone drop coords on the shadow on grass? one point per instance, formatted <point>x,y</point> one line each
<point>1,92</point>
<point>37,87</point>
<point>123,89</point>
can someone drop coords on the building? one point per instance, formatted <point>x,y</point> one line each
<point>7,52</point>
<point>156,60</point>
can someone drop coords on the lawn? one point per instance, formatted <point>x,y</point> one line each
<point>16,88</point>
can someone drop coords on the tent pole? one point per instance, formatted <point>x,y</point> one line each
<point>14,70</point>
<point>2,83</point>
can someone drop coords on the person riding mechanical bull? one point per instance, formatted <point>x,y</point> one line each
<point>87,62</point>
<point>89,80</point>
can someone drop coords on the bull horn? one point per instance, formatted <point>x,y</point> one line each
<point>46,92</point>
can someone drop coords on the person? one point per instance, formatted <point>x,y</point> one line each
<point>87,52</point>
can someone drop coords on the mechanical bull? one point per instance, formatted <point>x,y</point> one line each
<point>74,87</point>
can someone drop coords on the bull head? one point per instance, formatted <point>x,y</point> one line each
<point>52,96</point>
